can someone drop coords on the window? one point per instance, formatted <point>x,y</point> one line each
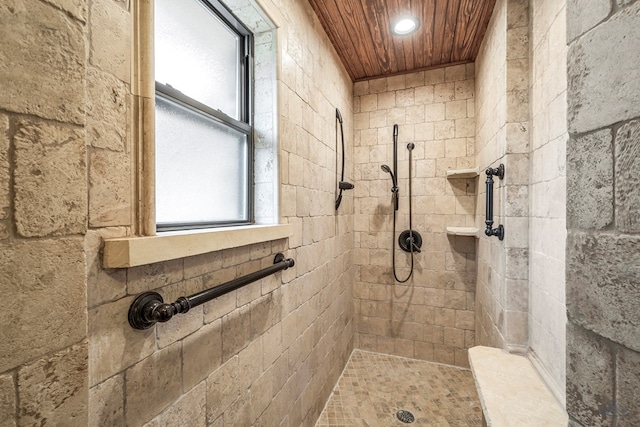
<point>251,139</point>
<point>203,126</point>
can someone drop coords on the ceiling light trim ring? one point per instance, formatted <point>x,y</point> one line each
<point>405,25</point>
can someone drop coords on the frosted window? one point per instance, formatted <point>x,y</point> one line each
<point>197,54</point>
<point>201,168</point>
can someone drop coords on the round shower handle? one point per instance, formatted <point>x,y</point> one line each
<point>410,241</point>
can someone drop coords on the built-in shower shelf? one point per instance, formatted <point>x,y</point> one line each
<point>459,174</point>
<point>462,173</point>
<point>463,231</point>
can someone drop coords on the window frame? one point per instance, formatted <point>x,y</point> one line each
<point>244,125</point>
<point>140,244</point>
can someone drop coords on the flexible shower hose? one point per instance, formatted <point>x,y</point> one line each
<point>393,236</point>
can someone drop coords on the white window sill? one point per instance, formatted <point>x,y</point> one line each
<point>133,251</point>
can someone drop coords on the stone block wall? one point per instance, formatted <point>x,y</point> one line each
<point>603,201</point>
<point>547,227</point>
<point>502,136</point>
<point>266,354</point>
<point>430,317</point>
<point>43,213</point>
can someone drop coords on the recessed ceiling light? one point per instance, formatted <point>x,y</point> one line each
<point>405,25</point>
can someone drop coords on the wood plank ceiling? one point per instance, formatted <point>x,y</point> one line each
<point>450,33</point>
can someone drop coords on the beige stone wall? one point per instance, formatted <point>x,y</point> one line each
<point>502,123</point>
<point>490,146</point>
<point>431,316</point>
<point>547,312</point>
<point>521,123</point>
<point>265,354</point>
<point>43,213</point>
<point>603,202</point>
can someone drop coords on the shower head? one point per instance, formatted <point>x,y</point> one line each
<point>387,169</point>
<point>394,189</point>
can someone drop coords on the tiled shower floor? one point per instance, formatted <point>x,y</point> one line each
<point>374,387</point>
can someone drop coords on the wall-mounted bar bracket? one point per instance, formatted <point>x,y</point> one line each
<point>499,171</point>
<point>490,231</point>
<point>149,308</point>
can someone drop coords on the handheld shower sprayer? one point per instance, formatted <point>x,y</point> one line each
<point>388,170</point>
<point>394,188</point>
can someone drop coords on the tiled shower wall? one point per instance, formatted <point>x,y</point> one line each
<point>430,317</point>
<point>266,354</point>
<point>547,228</point>
<point>502,102</point>
<point>521,103</point>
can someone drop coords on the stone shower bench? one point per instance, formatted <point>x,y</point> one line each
<point>511,391</point>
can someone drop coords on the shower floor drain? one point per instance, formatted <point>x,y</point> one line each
<point>405,416</point>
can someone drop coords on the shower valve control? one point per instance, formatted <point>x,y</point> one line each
<point>410,241</point>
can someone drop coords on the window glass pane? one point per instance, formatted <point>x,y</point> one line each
<point>197,54</point>
<point>201,168</point>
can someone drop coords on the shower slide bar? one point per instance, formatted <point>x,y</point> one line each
<point>490,231</point>
<point>149,308</point>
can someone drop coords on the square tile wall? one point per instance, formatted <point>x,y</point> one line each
<point>431,316</point>
<point>502,104</point>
